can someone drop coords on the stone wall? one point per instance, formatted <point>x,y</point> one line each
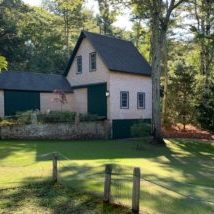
<point>66,131</point>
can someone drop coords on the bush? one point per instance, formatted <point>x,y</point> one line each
<point>90,117</point>
<point>24,117</point>
<point>141,129</point>
<point>56,117</point>
<point>51,117</point>
<point>5,122</point>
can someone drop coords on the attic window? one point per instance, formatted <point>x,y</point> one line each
<point>92,61</point>
<point>79,64</point>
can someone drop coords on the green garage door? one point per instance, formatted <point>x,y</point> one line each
<point>18,101</point>
<point>122,128</point>
<point>97,101</point>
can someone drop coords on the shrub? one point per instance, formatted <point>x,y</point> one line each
<point>56,117</point>
<point>24,117</point>
<point>141,129</point>
<point>51,117</point>
<point>5,122</point>
<point>89,117</point>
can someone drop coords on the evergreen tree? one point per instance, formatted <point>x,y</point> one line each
<point>181,96</point>
<point>205,109</point>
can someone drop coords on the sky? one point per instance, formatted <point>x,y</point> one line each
<point>122,21</point>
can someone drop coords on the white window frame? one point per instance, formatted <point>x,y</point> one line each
<point>90,61</point>
<point>77,69</point>
<point>121,101</point>
<point>138,100</point>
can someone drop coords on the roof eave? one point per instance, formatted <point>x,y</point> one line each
<point>73,53</point>
<point>41,91</point>
<point>131,72</point>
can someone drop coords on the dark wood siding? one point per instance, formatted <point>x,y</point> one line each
<point>18,101</point>
<point>122,128</point>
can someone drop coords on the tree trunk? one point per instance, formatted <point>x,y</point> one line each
<point>157,42</point>
<point>166,78</point>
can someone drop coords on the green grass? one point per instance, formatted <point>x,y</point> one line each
<point>47,198</point>
<point>179,177</point>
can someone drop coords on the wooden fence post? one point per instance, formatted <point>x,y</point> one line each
<point>107,183</point>
<point>54,175</point>
<point>136,190</point>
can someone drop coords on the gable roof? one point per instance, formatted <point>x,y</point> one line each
<point>118,55</point>
<point>33,81</point>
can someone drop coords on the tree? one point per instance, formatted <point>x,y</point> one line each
<point>60,97</point>
<point>159,18</point>
<point>182,91</point>
<point>3,63</point>
<point>107,16</point>
<point>70,11</point>
<point>141,37</point>
<point>202,11</point>
<point>11,42</point>
<point>43,37</point>
<point>205,109</point>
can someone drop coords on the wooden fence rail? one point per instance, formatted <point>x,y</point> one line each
<point>135,187</point>
<point>55,170</point>
<point>136,190</point>
<point>107,183</point>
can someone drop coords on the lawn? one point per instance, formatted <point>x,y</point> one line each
<point>177,178</point>
<point>50,199</point>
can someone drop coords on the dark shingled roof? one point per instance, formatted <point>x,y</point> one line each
<point>33,81</point>
<point>117,54</point>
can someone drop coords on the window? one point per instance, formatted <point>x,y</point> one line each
<point>92,62</point>
<point>124,99</point>
<point>79,64</point>
<point>141,100</point>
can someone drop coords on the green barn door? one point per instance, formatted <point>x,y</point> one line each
<point>97,101</point>
<point>18,101</point>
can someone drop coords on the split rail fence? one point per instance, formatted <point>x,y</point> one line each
<point>107,193</point>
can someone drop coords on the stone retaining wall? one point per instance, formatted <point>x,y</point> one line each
<point>66,131</point>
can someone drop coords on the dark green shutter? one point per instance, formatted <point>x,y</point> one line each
<point>97,101</point>
<point>19,101</point>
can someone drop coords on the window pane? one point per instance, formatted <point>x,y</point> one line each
<point>124,99</point>
<point>93,61</point>
<point>141,100</point>
<point>79,64</point>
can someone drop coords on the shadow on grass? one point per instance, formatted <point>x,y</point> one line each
<point>48,198</point>
<point>193,160</point>
<point>56,198</point>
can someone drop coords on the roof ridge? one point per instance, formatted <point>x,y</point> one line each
<point>104,35</point>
